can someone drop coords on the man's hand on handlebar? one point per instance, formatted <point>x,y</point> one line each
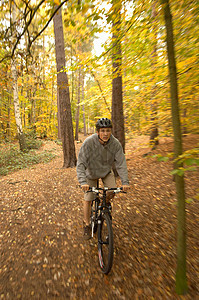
<point>85,187</point>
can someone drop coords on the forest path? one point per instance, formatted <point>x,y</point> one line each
<point>43,256</point>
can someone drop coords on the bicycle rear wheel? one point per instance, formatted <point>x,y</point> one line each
<point>105,243</point>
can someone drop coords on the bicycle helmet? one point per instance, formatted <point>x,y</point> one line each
<point>103,123</point>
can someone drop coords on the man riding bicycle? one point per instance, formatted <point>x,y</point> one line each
<point>96,157</point>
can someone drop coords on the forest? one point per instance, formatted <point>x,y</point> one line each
<point>144,66</point>
<point>66,63</point>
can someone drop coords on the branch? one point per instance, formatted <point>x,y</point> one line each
<point>56,10</point>
<point>100,89</point>
<point>187,70</point>
<point>32,14</point>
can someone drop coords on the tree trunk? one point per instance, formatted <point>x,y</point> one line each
<point>58,116</point>
<point>117,98</point>
<point>77,110</point>
<point>83,107</point>
<point>72,78</point>
<point>21,137</point>
<point>66,126</point>
<point>181,280</point>
<point>8,127</point>
<point>153,140</point>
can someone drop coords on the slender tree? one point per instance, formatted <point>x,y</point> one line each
<point>78,108</point>
<point>154,120</point>
<point>181,280</point>
<point>21,137</point>
<point>83,106</point>
<point>117,98</point>
<point>66,126</point>
<point>58,115</point>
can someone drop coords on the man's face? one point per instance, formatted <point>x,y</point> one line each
<point>104,134</point>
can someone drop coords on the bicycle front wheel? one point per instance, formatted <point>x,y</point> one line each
<point>105,243</point>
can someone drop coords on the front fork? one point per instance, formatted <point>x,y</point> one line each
<point>96,213</point>
<point>94,216</point>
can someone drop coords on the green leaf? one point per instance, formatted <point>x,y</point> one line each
<point>109,19</point>
<point>189,200</point>
<point>163,158</point>
<point>174,172</point>
<point>191,169</point>
<point>97,18</point>
<point>179,172</point>
<point>190,161</point>
<point>73,23</point>
<point>66,22</point>
<point>160,157</point>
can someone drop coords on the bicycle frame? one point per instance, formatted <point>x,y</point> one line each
<point>100,203</point>
<point>101,221</point>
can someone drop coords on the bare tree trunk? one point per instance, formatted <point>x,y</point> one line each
<point>83,107</point>
<point>66,125</point>
<point>72,77</point>
<point>117,98</point>
<point>78,102</point>
<point>181,279</point>
<point>58,116</point>
<point>22,142</point>
<point>21,137</point>
<point>51,105</point>
<point>8,127</point>
<point>34,90</point>
<point>153,140</point>
<point>7,132</point>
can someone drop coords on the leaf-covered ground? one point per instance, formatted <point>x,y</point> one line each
<point>43,256</point>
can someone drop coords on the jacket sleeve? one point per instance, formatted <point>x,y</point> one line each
<point>82,163</point>
<point>121,166</point>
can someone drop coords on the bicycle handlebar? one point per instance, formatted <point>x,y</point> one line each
<point>115,190</point>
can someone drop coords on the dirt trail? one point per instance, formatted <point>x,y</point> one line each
<point>43,256</point>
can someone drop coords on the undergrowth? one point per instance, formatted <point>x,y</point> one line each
<point>13,159</point>
<point>31,140</point>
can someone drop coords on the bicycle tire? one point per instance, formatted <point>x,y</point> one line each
<point>105,243</point>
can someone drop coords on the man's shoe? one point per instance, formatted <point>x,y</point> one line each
<point>87,232</point>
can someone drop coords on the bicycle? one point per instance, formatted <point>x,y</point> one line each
<point>101,221</point>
